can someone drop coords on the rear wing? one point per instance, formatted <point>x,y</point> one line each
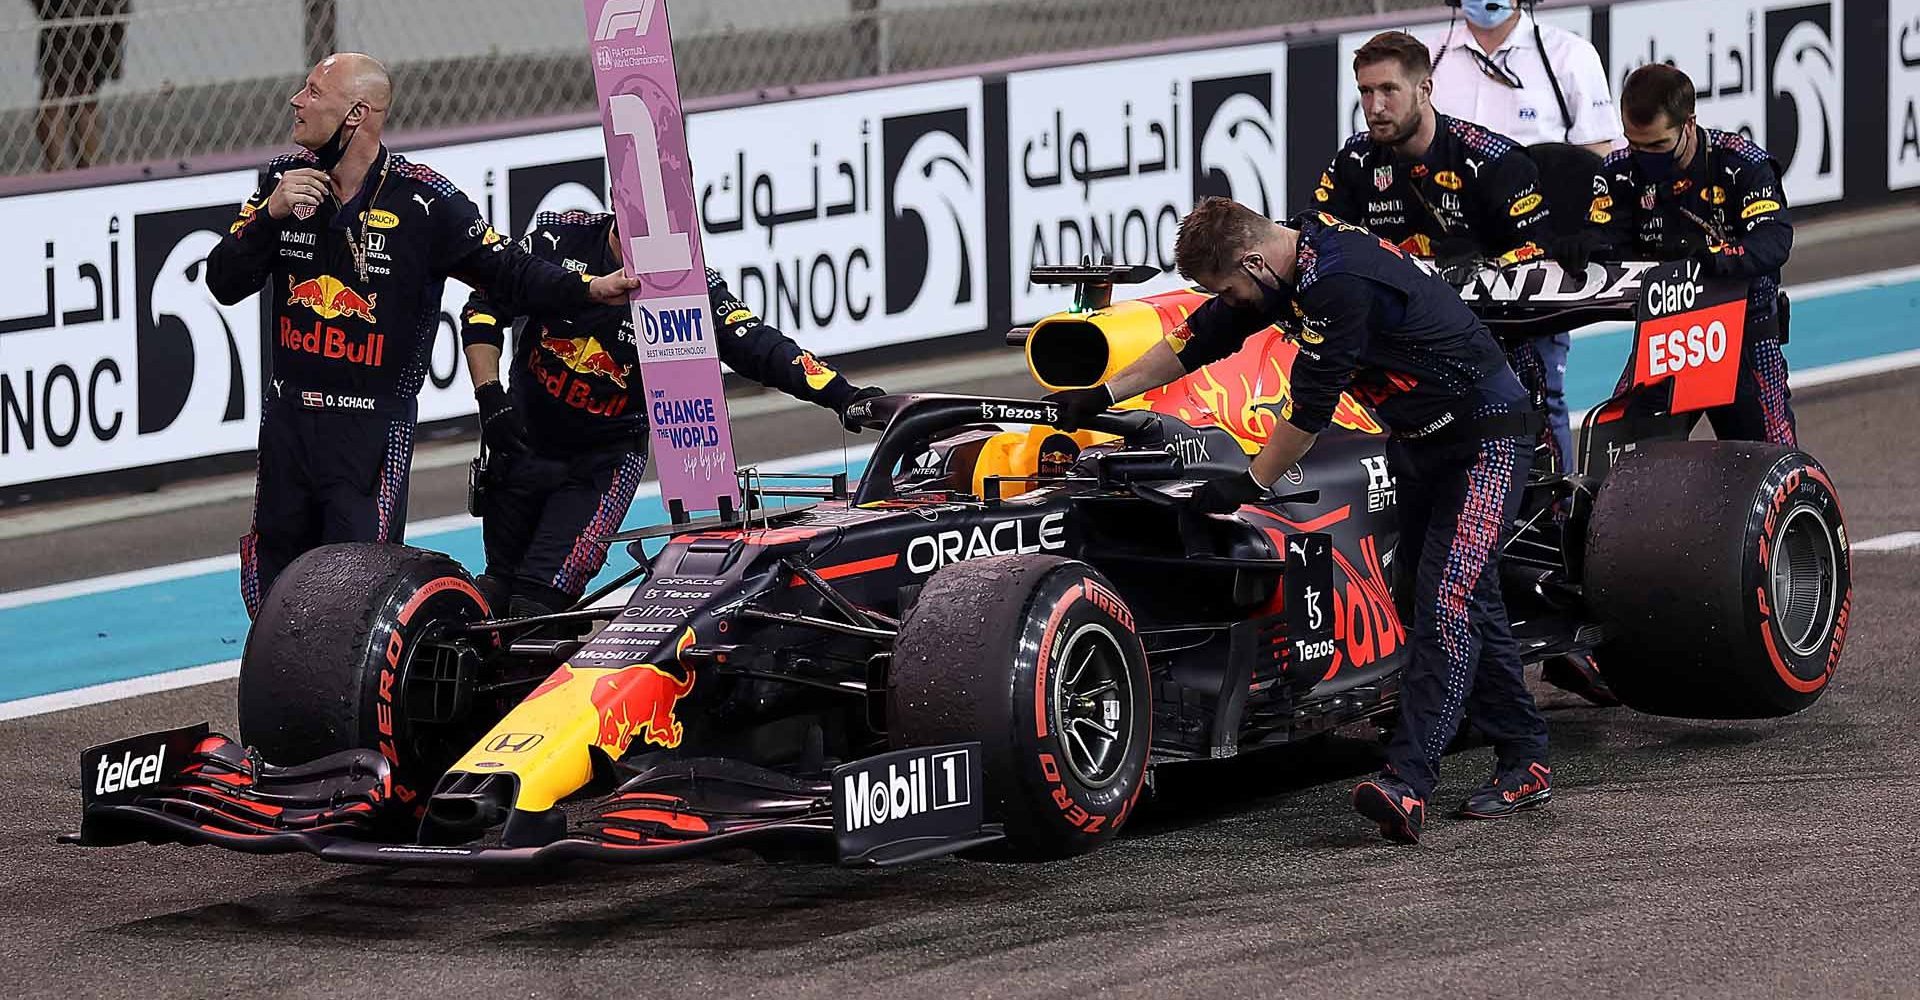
<point>1540,298</point>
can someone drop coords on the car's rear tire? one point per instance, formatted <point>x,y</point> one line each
<point>1032,656</point>
<point>326,666</point>
<point>1720,574</point>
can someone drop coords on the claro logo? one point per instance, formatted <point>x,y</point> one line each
<point>930,552</point>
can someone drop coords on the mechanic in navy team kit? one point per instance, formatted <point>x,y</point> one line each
<point>1369,321</point>
<point>567,440</point>
<point>1683,192</point>
<point>353,244</point>
<point>1447,189</point>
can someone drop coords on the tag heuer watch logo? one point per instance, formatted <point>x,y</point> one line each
<point>1382,178</point>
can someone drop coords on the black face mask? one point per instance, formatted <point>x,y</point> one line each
<point>331,151</point>
<point>1660,168</point>
<point>1273,297</point>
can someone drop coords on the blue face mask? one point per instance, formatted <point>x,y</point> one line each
<point>1657,168</point>
<point>1488,14</point>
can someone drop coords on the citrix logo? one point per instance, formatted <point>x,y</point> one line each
<point>929,206</point>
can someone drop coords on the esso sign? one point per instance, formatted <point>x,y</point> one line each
<point>1684,348</point>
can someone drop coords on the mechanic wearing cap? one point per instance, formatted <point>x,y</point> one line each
<point>1683,192</point>
<point>1367,320</point>
<point>1530,81</point>
<point>353,245</point>
<point>567,441</point>
<point>1447,189</point>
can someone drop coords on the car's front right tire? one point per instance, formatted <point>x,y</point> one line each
<point>1036,658</point>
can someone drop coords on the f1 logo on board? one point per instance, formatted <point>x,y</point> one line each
<point>635,16</point>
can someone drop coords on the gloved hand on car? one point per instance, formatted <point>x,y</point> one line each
<point>1078,406</point>
<point>868,392</point>
<point>1225,494</point>
<point>1574,251</point>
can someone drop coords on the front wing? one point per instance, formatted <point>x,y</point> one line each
<point>192,786</point>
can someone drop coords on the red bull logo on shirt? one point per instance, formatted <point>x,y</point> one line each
<point>818,375</point>
<point>586,356</point>
<point>330,298</point>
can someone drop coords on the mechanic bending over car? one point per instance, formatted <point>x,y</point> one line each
<point>1683,192</point>
<point>567,442</point>
<point>338,233</point>
<point>1369,321</point>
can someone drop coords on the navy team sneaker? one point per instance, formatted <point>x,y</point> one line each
<point>1505,794</point>
<point>1391,803</point>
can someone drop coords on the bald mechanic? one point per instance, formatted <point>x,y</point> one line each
<point>353,244</point>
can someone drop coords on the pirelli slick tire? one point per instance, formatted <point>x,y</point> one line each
<point>1036,658</point>
<point>330,661</point>
<point>1719,571</point>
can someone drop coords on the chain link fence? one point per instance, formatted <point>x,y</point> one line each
<point>101,82</point>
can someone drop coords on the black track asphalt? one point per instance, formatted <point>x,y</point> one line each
<point>1678,859</point>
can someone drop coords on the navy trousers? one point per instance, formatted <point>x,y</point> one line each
<point>1457,501</point>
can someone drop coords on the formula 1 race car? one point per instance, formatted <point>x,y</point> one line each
<point>987,642</point>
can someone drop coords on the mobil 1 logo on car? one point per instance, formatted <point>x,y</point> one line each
<point>908,804</point>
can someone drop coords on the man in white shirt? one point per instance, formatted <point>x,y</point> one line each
<point>1531,82</point>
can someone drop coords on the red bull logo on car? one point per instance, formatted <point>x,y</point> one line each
<point>330,298</point>
<point>637,702</point>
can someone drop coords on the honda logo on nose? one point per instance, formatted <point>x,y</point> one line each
<point>513,742</point>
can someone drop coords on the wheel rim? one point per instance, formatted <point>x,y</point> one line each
<point>1805,577</point>
<point>1092,705</point>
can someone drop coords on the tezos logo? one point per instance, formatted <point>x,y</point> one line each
<point>937,781</point>
<point>129,772</point>
<point>930,552</point>
<point>1043,413</point>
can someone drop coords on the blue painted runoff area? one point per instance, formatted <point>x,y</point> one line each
<point>150,628</point>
